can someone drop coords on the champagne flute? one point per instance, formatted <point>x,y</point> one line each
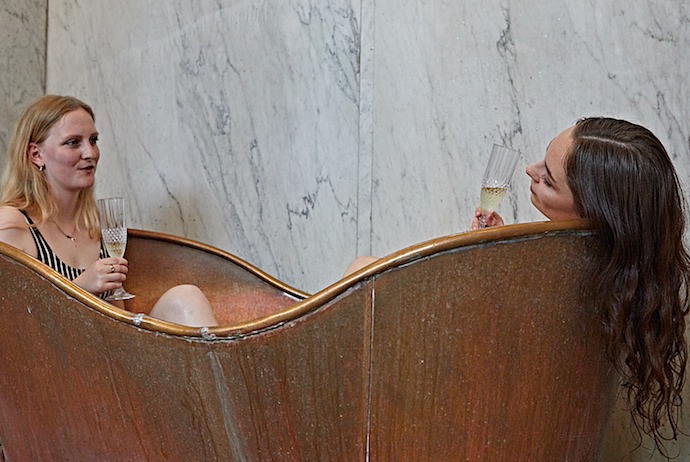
<point>111,212</point>
<point>496,179</point>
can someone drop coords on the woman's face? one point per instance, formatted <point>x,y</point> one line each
<point>551,194</point>
<point>69,153</point>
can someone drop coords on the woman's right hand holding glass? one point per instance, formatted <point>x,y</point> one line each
<point>103,275</point>
<point>493,219</point>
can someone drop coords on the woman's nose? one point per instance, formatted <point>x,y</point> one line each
<point>90,152</point>
<point>531,172</point>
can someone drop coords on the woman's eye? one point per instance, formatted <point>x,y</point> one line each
<point>94,140</point>
<point>546,181</point>
<point>72,142</point>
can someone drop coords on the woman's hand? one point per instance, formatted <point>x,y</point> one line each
<point>493,219</point>
<point>104,274</point>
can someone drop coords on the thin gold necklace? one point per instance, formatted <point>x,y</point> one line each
<point>71,238</point>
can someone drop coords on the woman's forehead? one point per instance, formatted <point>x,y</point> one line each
<point>76,120</point>
<point>557,152</point>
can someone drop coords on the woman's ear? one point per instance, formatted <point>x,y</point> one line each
<point>35,155</point>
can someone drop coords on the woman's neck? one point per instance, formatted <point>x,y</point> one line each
<point>67,207</point>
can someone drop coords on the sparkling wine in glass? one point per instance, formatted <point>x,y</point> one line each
<point>111,212</point>
<point>496,179</point>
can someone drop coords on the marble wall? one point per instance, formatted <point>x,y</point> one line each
<point>300,134</point>
<point>236,123</point>
<point>453,77</point>
<point>22,61</point>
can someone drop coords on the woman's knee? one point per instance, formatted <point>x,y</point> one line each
<point>185,304</point>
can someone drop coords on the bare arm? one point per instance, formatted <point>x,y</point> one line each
<point>15,231</point>
<point>101,275</point>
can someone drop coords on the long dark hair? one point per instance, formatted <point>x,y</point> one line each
<point>623,181</point>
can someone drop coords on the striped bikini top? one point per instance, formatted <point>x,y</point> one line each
<point>48,257</point>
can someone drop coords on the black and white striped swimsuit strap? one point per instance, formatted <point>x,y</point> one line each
<point>48,257</point>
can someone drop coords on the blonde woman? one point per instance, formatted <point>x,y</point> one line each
<point>48,210</point>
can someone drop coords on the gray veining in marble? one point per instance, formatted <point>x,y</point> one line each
<point>22,63</point>
<point>300,134</point>
<point>463,76</point>
<point>234,123</point>
<point>313,132</point>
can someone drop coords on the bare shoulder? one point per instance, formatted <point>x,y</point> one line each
<point>15,231</point>
<point>10,212</point>
<point>11,217</point>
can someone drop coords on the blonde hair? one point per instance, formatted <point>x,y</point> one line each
<point>24,186</point>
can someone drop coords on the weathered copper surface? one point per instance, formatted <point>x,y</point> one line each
<point>238,291</point>
<point>481,354</point>
<point>421,356</point>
